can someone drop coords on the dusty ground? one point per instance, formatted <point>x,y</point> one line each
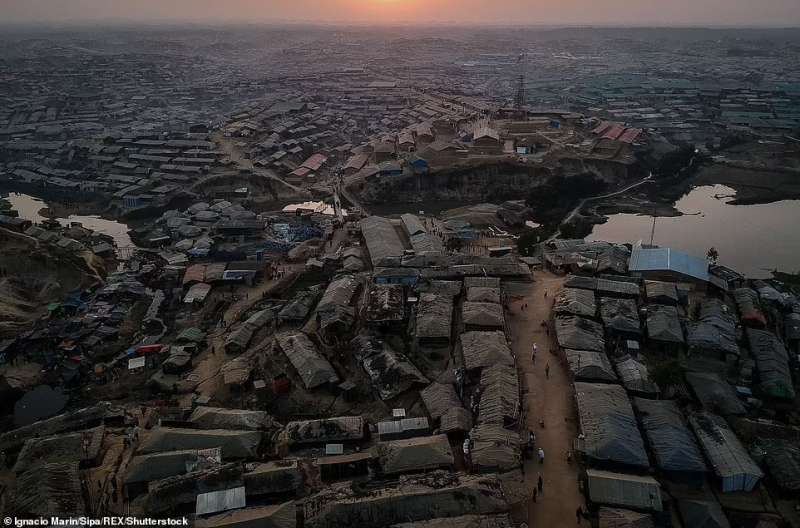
<point>549,400</point>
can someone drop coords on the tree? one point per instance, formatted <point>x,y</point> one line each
<point>712,256</point>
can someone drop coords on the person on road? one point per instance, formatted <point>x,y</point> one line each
<point>579,514</point>
<point>534,495</point>
<point>547,371</point>
<point>541,455</point>
<point>540,483</point>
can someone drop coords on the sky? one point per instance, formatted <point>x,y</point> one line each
<point>783,13</point>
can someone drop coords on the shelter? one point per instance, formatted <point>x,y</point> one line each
<point>391,372</point>
<point>574,301</point>
<point>663,325</point>
<point>234,444</point>
<point>298,309</point>
<point>672,443</point>
<point>749,308</point>
<point>238,419</point>
<point>434,319</point>
<point>313,369</point>
<point>381,238</point>
<point>668,264</point>
<point>158,466</point>
<point>620,316</point>
<point>462,521</point>
<point>608,425</point>
<point>626,491</point>
<point>335,313</point>
<point>499,400</point>
<point>220,501</point>
<point>274,516</point>
<point>484,349</point>
<point>658,292</point>
<point>439,398</point>
<point>482,315</point>
<point>772,362</point>
<point>327,430</point>
<point>275,478</point>
<point>456,420</point>
<point>635,376</point>
<point>238,340</point>
<point>579,333</point>
<point>412,499</point>
<point>414,455</point>
<point>481,294</point>
<point>494,449</point>
<point>81,446</point>
<point>702,514</point>
<point>714,393</point>
<point>728,457</point>
<point>782,459</point>
<point>49,489</point>
<point>714,332</point>
<point>586,365</point>
<point>403,428</point>
<point>621,518</point>
<point>385,304</point>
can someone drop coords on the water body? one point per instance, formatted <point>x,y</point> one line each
<point>752,239</point>
<point>29,207</point>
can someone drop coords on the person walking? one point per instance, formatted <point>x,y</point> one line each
<point>534,494</point>
<point>541,455</point>
<point>540,484</point>
<point>547,371</point>
<point>579,514</point>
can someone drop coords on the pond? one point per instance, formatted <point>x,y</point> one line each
<point>28,208</point>
<point>751,239</point>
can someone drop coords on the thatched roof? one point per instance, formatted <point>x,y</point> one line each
<point>499,403</point>
<point>47,489</point>
<point>391,372</point>
<point>439,398</point>
<point>434,316</point>
<point>483,349</point>
<point>342,428</point>
<point>494,448</point>
<point>579,333</point>
<point>483,315</point>
<point>274,516</point>
<point>574,301</point>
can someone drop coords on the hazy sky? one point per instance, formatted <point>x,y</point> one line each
<point>606,12</point>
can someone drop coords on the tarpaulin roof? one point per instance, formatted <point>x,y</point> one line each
<point>338,429</point>
<point>575,301</point>
<point>415,454</point>
<point>669,437</point>
<point>663,324</point>
<point>634,376</point>
<point>391,372</point>
<point>239,419</point>
<point>714,393</point>
<point>782,458</point>
<point>749,307</point>
<point>586,365</point>
<point>579,333</point>
<point>620,518</point>
<point>484,349</point>
<point>662,292</point>
<point>620,315</point>
<point>619,489</point>
<point>234,444</point>
<point>772,362</point>
<point>715,329</point>
<point>312,368</point>
<point>702,514</point>
<point>727,455</point>
<point>609,426</point>
<point>481,294</point>
<point>381,238</point>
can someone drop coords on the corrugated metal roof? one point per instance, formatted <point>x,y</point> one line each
<point>667,259</point>
<point>617,489</point>
<point>219,501</point>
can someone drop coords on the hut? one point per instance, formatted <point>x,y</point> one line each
<point>313,369</point>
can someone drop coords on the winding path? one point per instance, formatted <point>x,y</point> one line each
<point>580,205</point>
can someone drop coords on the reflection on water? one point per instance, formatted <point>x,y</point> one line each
<point>752,239</point>
<point>29,207</point>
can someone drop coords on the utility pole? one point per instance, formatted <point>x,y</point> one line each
<point>653,230</point>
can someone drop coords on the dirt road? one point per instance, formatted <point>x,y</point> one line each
<point>548,399</point>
